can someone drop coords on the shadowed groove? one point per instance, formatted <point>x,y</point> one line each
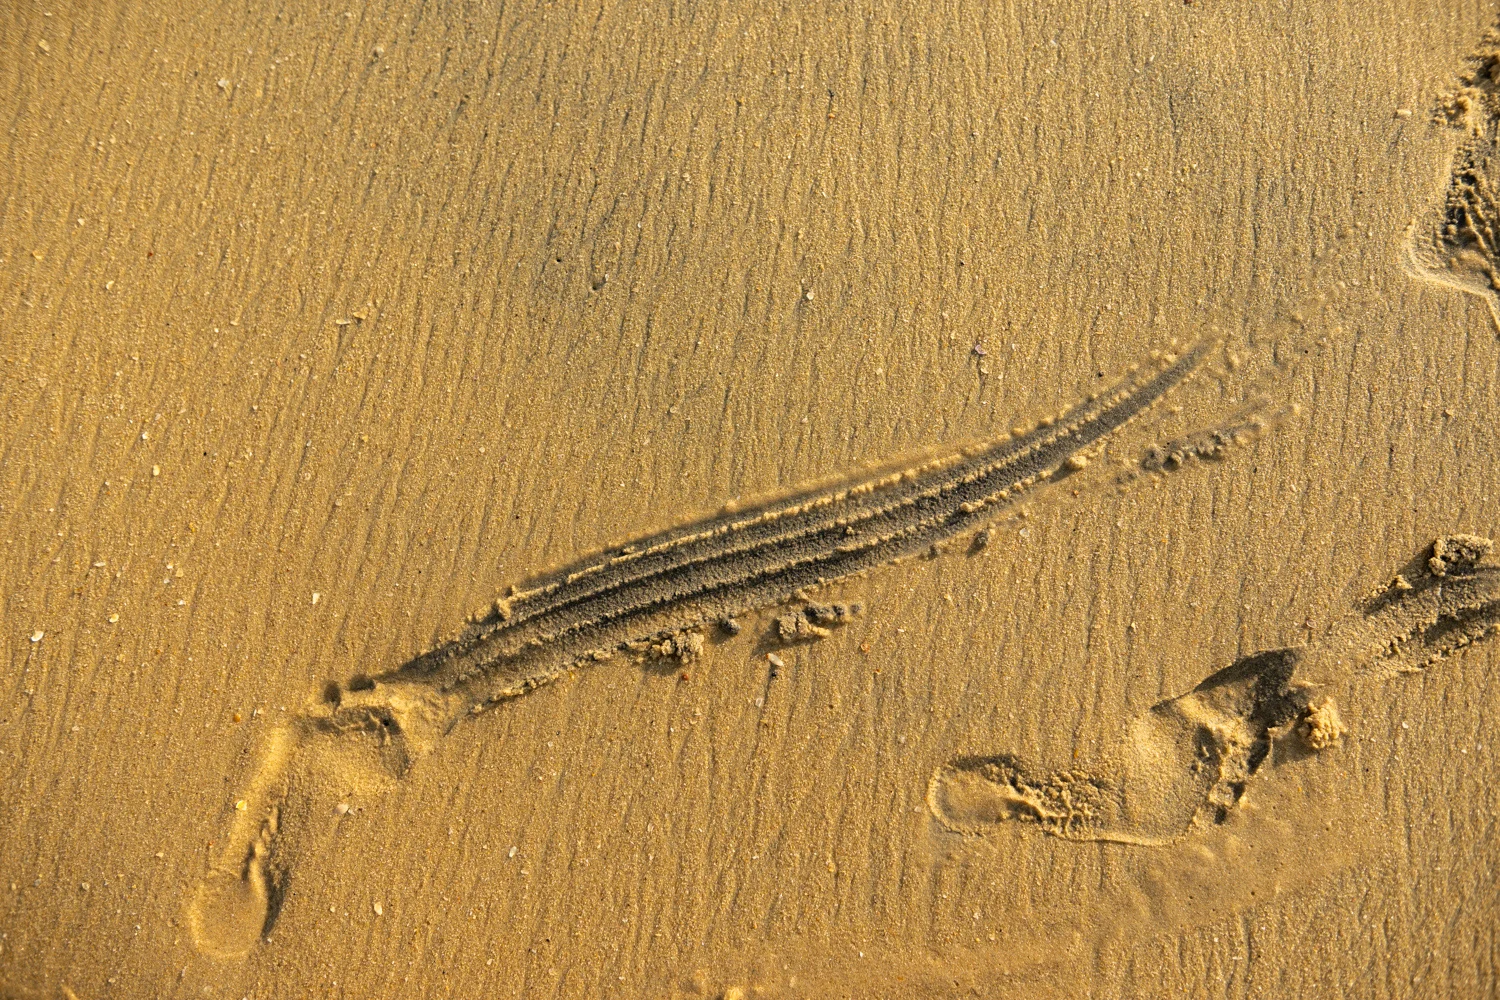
<point>734,563</point>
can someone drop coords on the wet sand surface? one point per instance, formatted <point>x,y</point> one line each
<point>628,500</point>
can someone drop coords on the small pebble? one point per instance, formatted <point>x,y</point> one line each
<point>37,635</point>
<point>379,910</point>
<point>342,809</point>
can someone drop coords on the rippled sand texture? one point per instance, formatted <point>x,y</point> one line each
<point>365,368</point>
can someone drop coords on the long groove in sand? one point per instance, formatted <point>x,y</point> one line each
<point>733,564</point>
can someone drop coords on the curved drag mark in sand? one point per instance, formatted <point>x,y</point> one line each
<point>646,597</point>
<point>1185,763</point>
<point>729,565</point>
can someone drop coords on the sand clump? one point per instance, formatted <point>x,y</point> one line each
<point>1321,726</point>
<point>1457,553</point>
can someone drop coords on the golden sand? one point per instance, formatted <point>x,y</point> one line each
<point>714,501</point>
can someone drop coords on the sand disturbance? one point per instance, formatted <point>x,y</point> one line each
<point>1187,762</point>
<point>1457,243</point>
<point>324,324</point>
<point>648,598</point>
<point>713,570</point>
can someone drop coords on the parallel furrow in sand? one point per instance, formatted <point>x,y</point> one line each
<point>732,564</point>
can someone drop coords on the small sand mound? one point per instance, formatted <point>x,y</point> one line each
<point>1321,726</point>
<point>1455,553</point>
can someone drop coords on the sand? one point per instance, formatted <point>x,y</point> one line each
<point>629,500</point>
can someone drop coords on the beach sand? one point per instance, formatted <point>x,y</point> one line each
<point>703,389</point>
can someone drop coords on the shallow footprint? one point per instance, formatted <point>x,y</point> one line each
<point>236,902</point>
<point>352,749</point>
<point>1182,763</point>
<point>1186,762</point>
<point>1457,241</point>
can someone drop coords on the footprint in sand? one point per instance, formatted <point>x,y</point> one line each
<point>1185,763</point>
<point>1457,242</point>
<point>351,746</point>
